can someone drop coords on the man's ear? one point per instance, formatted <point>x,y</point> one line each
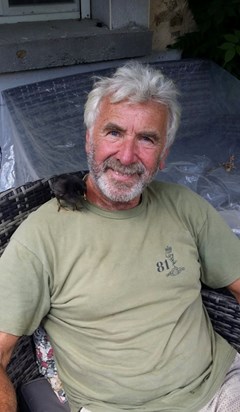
<point>163,158</point>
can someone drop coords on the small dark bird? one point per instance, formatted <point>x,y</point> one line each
<point>70,190</point>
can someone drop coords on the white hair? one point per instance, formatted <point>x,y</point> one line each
<point>136,83</point>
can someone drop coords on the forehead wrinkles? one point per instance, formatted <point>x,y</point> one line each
<point>152,113</point>
<point>126,103</point>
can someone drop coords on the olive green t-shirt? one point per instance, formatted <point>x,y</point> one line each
<point>120,296</point>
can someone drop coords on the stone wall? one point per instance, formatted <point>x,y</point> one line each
<point>168,20</point>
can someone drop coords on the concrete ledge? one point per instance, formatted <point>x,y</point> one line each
<point>36,45</point>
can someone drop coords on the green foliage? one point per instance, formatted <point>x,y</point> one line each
<point>218,33</point>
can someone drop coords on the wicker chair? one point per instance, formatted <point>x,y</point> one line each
<point>15,206</point>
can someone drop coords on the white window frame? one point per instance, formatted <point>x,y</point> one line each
<point>13,14</point>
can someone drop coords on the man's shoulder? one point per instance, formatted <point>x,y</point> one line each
<point>44,212</point>
<point>39,219</point>
<point>177,196</point>
<point>172,189</point>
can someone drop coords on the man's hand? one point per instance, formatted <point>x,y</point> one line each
<point>8,402</point>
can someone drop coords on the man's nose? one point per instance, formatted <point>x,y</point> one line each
<point>127,152</point>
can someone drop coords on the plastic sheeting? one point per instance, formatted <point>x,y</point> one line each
<point>218,184</point>
<point>42,132</point>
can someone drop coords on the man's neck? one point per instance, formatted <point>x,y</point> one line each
<point>97,198</point>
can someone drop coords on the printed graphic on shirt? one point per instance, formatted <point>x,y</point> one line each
<point>169,264</point>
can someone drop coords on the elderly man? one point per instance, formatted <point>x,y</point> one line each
<point>117,284</point>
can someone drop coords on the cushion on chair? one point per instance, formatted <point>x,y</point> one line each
<point>38,396</point>
<point>46,362</point>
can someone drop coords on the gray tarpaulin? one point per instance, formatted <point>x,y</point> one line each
<point>42,132</point>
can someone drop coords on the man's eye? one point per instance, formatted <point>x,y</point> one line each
<point>114,133</point>
<point>147,139</point>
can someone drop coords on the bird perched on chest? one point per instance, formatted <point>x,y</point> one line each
<point>70,190</point>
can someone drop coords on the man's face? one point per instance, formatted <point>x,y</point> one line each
<point>125,149</point>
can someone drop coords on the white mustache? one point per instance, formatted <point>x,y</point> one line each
<point>114,164</point>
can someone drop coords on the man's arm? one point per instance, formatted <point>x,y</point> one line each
<point>8,401</point>
<point>234,288</point>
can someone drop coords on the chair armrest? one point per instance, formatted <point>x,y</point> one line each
<point>224,312</point>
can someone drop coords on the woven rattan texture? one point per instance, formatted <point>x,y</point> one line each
<point>224,313</point>
<point>16,204</point>
<point>23,366</point>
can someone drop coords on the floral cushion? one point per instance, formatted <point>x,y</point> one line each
<point>46,362</point>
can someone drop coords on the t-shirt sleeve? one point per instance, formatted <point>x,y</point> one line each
<point>219,251</point>
<point>24,290</point>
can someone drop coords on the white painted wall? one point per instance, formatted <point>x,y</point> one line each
<point>116,14</point>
